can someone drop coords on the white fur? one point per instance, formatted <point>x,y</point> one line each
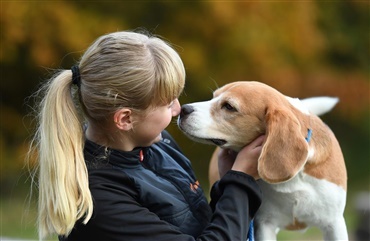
<point>315,202</point>
<point>202,121</point>
<point>297,103</point>
<point>320,105</point>
<point>314,105</point>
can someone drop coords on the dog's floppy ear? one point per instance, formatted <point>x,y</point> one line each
<point>285,150</point>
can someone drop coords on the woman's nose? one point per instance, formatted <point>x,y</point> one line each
<point>176,108</point>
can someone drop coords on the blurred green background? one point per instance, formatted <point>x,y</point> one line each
<point>301,48</point>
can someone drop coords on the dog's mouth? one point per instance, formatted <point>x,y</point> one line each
<point>217,142</point>
<point>194,134</point>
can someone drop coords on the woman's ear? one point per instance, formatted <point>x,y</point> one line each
<point>285,150</point>
<point>123,119</point>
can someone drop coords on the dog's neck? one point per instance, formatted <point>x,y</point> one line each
<point>325,151</point>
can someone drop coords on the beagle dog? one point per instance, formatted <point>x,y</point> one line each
<point>302,169</point>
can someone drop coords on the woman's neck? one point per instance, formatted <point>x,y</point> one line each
<point>109,137</point>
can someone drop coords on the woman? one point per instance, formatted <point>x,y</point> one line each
<point>108,170</point>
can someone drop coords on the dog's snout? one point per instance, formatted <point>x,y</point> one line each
<point>186,110</point>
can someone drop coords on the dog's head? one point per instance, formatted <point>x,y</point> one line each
<point>238,113</point>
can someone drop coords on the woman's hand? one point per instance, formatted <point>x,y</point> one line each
<point>245,161</point>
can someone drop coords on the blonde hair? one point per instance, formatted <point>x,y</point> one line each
<point>122,69</point>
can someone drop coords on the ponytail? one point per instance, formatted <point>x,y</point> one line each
<point>64,195</point>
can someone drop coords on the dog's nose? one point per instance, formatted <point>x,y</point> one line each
<point>186,110</point>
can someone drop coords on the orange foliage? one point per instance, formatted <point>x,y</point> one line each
<point>302,48</point>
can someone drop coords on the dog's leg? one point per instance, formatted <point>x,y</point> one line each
<point>264,231</point>
<point>336,230</point>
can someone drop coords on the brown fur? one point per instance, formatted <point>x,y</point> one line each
<point>296,225</point>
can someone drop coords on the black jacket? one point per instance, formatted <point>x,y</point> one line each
<point>152,194</point>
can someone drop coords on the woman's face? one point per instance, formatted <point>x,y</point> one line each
<point>148,130</point>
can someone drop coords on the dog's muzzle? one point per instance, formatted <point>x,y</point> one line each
<point>185,111</point>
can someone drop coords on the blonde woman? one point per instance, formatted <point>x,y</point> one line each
<point>107,168</point>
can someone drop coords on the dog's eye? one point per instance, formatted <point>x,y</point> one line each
<point>228,107</point>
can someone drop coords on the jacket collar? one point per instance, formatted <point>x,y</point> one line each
<point>95,153</point>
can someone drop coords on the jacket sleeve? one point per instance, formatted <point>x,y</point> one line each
<point>235,200</point>
<point>118,215</point>
<point>255,194</point>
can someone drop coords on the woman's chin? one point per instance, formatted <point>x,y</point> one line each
<point>155,140</point>
<point>158,138</point>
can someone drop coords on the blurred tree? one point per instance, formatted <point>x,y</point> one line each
<point>302,48</point>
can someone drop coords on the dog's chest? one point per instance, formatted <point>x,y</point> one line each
<point>303,198</point>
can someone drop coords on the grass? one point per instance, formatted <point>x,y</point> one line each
<point>17,210</point>
<point>18,218</point>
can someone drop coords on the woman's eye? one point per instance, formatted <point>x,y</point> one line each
<point>229,107</point>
